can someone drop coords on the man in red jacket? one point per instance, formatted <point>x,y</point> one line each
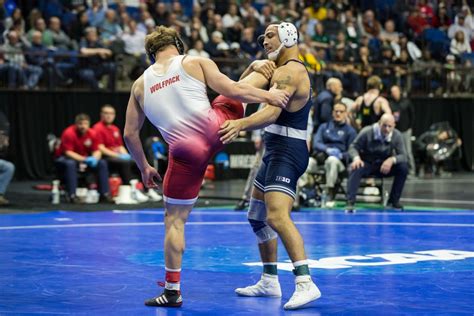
<point>79,150</point>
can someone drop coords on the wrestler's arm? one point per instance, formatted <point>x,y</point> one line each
<point>264,117</point>
<point>133,123</point>
<point>241,91</point>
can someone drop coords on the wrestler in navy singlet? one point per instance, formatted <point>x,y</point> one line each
<point>286,151</point>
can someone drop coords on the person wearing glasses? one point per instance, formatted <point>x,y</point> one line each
<point>331,145</point>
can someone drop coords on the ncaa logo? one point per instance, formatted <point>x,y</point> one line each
<point>282,179</point>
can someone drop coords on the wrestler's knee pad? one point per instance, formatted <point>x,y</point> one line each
<point>234,108</point>
<point>257,215</point>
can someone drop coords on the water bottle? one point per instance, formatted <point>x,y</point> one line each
<point>55,195</point>
<point>324,198</point>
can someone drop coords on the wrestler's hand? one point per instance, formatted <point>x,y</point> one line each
<point>279,97</point>
<point>229,131</point>
<point>265,67</point>
<point>150,176</point>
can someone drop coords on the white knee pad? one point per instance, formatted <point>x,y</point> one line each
<point>257,215</point>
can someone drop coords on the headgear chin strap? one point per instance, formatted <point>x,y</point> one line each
<point>288,35</point>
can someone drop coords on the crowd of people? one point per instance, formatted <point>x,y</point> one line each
<point>421,45</point>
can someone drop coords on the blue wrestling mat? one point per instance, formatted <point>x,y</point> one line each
<point>107,263</point>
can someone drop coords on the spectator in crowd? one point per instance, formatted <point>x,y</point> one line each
<point>452,75</point>
<point>59,39</point>
<point>96,61</point>
<point>460,25</point>
<point>459,45</point>
<point>160,14</point>
<point>369,107</point>
<point>7,169</point>
<point>389,35</point>
<point>40,25</point>
<point>16,17</point>
<point>79,150</point>
<point>417,22</point>
<point>13,52</point>
<point>324,102</point>
<point>404,115</point>
<point>231,17</point>
<point>363,68</point>
<point>369,25</point>
<point>331,145</point>
<point>427,73</point>
<point>442,21</point>
<point>198,50</point>
<point>320,38</point>
<point>79,26</point>
<point>96,13</point>
<point>8,72</point>
<point>212,46</point>
<point>248,44</point>
<point>378,150</point>
<point>110,30</point>
<point>331,25</point>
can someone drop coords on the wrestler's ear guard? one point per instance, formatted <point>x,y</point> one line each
<point>288,34</point>
<point>260,40</point>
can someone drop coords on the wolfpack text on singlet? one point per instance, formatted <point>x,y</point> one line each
<point>164,83</point>
<point>176,103</point>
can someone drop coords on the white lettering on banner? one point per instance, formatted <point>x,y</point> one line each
<point>242,161</point>
<point>373,260</point>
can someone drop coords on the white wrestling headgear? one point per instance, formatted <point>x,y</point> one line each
<point>288,35</point>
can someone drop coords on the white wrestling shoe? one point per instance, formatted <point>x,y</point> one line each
<point>154,196</point>
<point>306,291</point>
<point>267,286</point>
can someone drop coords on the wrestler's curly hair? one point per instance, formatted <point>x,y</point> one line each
<point>161,38</point>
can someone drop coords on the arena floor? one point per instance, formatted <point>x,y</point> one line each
<point>375,261</point>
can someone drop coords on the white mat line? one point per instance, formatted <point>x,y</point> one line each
<point>232,223</point>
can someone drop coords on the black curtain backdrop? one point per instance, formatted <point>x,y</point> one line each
<point>34,114</point>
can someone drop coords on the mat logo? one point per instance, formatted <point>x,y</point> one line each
<point>378,259</point>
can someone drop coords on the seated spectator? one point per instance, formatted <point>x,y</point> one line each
<point>7,169</point>
<point>110,30</point>
<point>79,26</point>
<point>249,45</point>
<point>435,146</point>
<point>417,22</point>
<point>324,102</point>
<point>96,13</point>
<point>369,25</point>
<point>211,47</point>
<point>110,144</point>
<point>96,61</point>
<point>13,52</point>
<point>331,145</point>
<point>453,75</point>
<point>60,40</point>
<point>38,55</point>
<point>427,73</point>
<point>231,17</point>
<point>442,20</point>
<point>388,34</point>
<point>378,151</point>
<point>79,150</point>
<point>331,25</point>
<point>320,38</point>
<point>459,45</point>
<point>198,50</point>
<point>461,25</point>
<point>8,72</point>
<point>40,25</point>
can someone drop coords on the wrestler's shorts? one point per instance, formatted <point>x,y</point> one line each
<point>278,176</point>
<point>188,158</point>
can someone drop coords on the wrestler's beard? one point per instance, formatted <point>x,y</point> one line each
<point>274,55</point>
